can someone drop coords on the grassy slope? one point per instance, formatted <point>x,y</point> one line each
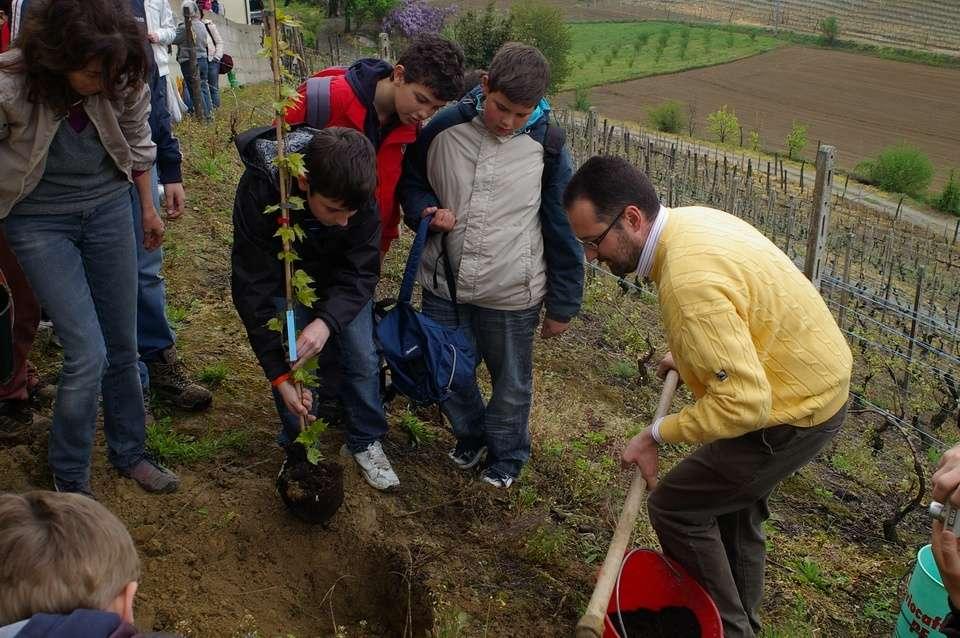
<point>605,52</point>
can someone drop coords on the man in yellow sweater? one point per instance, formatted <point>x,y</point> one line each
<point>756,344</point>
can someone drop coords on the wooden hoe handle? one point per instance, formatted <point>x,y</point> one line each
<point>591,624</point>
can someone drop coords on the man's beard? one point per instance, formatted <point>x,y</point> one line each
<point>627,258</point>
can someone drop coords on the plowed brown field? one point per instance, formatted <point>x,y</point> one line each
<point>856,102</point>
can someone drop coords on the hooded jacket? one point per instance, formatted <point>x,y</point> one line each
<point>81,623</point>
<point>512,246</point>
<point>351,105</point>
<point>199,34</point>
<point>344,262</point>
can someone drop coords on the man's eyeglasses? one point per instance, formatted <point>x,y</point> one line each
<point>594,244</point>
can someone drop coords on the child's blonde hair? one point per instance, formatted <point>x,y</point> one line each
<point>60,552</point>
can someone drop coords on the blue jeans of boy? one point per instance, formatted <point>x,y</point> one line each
<point>504,342</point>
<point>82,267</point>
<point>154,334</point>
<point>188,97</point>
<point>359,387</point>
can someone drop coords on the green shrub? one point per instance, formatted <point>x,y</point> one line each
<point>481,34</point>
<point>796,139</point>
<point>581,98</point>
<point>723,123</point>
<point>754,141</point>
<point>668,117</point>
<point>829,29</point>
<point>543,26</point>
<point>529,21</point>
<point>949,200</point>
<point>899,169</point>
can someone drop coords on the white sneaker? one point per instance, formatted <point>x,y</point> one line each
<point>375,467</point>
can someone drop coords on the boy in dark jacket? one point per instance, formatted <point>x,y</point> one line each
<point>68,568</point>
<point>491,170</point>
<point>341,252</point>
<point>387,104</point>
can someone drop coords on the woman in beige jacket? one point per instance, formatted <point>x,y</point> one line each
<point>73,135</point>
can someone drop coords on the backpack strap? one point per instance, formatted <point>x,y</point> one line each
<point>413,261</point>
<point>413,264</point>
<point>318,102</point>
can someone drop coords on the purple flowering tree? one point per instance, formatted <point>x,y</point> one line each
<point>413,17</point>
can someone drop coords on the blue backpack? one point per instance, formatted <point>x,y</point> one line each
<point>427,361</point>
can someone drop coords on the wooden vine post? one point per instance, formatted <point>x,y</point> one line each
<point>298,285</point>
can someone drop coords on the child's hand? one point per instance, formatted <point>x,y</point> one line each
<point>299,405</point>
<point>552,328</point>
<point>174,199</point>
<point>152,229</point>
<point>311,341</point>
<point>443,218</point>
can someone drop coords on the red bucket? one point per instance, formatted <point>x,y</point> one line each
<point>649,580</point>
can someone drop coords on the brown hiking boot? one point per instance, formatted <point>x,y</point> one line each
<point>168,378</point>
<point>152,476</point>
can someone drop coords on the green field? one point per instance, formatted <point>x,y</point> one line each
<point>605,52</point>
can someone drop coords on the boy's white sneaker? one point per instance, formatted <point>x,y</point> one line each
<point>375,467</point>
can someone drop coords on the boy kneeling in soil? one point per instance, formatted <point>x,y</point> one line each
<point>68,567</point>
<point>341,252</point>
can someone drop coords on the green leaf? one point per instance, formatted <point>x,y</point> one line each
<point>306,296</point>
<point>310,365</point>
<point>288,91</point>
<point>279,107</point>
<point>301,278</point>
<point>288,256</point>
<point>269,210</point>
<point>300,233</point>
<point>286,234</point>
<point>295,165</point>
<point>304,377</point>
<point>275,324</point>
<point>296,203</point>
<point>313,455</point>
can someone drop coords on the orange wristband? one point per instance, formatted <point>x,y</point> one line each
<point>279,380</point>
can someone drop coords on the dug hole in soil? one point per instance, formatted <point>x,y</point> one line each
<point>224,557</point>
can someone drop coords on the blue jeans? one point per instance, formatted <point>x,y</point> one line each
<point>82,267</point>
<point>504,342</point>
<point>359,389</point>
<point>188,98</point>
<point>213,82</point>
<point>154,334</point>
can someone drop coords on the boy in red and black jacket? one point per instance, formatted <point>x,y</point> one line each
<point>387,104</point>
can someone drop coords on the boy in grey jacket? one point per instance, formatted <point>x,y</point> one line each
<point>491,171</point>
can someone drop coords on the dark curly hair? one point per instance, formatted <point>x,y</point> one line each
<point>436,63</point>
<point>60,36</point>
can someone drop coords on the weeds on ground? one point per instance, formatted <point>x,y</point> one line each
<point>547,545</point>
<point>176,448</point>
<point>418,432</point>
<point>215,373</point>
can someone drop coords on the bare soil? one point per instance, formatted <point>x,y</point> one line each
<point>858,103</point>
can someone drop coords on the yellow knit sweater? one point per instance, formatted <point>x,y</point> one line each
<point>750,335</point>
